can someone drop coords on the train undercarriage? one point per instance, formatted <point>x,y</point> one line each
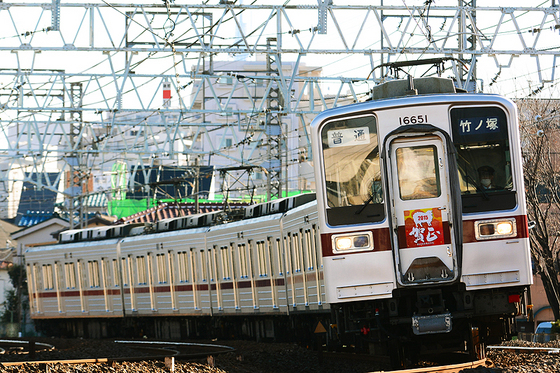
<point>416,323</point>
<point>413,324</point>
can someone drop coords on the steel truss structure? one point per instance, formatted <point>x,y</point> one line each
<point>81,83</point>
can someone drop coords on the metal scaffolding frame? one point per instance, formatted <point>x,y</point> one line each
<point>77,76</point>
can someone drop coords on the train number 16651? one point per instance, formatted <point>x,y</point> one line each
<point>413,119</point>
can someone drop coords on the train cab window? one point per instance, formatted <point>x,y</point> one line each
<point>480,135</point>
<point>352,171</point>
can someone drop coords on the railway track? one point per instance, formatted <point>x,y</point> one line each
<point>246,357</point>
<point>149,350</point>
<point>453,368</point>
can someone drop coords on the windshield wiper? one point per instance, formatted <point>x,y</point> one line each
<point>370,199</point>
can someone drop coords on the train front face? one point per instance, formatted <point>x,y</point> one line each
<point>422,216</point>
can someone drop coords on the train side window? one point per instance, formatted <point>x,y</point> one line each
<point>214,275</point>
<point>32,288</point>
<point>58,278</point>
<point>105,273</point>
<point>125,272</point>
<point>37,275</point>
<point>116,280</point>
<point>278,251</point>
<point>225,262</point>
<point>150,268</point>
<point>232,263</point>
<point>48,281</point>
<point>218,268</point>
<point>261,258</point>
<point>203,265</point>
<point>141,270</point>
<point>179,257</point>
<point>161,268</point>
<point>130,269</point>
<point>310,249</point>
<point>481,137</point>
<point>352,171</point>
<point>317,246</point>
<point>70,275</point>
<point>269,257</point>
<point>93,273</point>
<point>296,252</point>
<point>171,265</point>
<point>183,266</point>
<point>81,274</point>
<point>193,266</point>
<point>243,271</point>
<point>250,259</point>
<point>288,253</point>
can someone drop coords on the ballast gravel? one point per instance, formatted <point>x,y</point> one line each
<point>253,357</point>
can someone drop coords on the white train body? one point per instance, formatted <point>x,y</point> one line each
<point>419,228</point>
<point>487,262</point>
<point>422,214</point>
<point>270,264</point>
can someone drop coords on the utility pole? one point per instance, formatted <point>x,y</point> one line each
<point>467,41</point>
<point>196,186</point>
<point>273,122</point>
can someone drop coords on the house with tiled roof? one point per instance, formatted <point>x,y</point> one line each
<point>38,234</point>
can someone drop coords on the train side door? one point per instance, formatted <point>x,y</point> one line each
<point>421,216</point>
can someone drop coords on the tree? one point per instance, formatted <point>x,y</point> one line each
<point>16,298</point>
<point>540,139</point>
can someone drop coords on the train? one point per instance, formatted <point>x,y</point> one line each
<point>415,241</point>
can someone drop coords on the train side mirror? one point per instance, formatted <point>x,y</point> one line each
<point>532,224</point>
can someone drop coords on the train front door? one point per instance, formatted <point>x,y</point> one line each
<point>419,188</point>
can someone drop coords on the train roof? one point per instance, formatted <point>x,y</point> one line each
<point>413,87</point>
<point>273,207</point>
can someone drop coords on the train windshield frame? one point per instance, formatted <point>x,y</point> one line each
<point>481,137</point>
<point>352,169</point>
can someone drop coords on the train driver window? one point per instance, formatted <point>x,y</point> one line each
<point>352,171</point>
<point>480,135</point>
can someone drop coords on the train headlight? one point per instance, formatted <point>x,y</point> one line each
<point>343,243</point>
<point>495,228</point>
<point>504,227</point>
<point>352,242</point>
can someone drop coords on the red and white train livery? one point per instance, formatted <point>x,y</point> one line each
<point>417,239</point>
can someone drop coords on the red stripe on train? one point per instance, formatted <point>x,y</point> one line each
<point>382,238</point>
<point>178,288</point>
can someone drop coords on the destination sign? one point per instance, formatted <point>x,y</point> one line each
<point>478,125</point>
<point>348,137</point>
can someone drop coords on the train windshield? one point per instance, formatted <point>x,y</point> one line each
<point>480,135</point>
<point>352,171</point>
